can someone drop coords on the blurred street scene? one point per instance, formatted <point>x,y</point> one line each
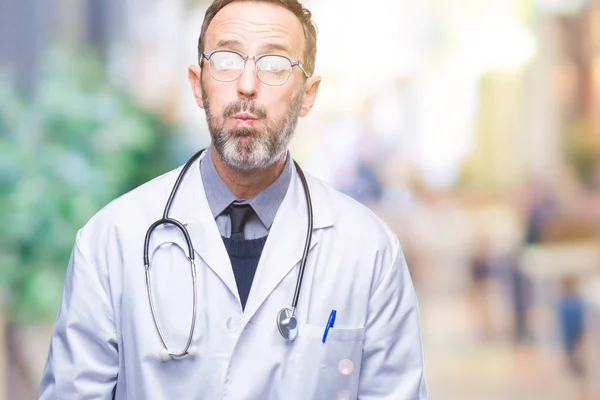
<point>472,127</point>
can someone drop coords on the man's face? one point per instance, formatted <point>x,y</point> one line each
<point>251,124</point>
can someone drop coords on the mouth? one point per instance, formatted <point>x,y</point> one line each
<point>245,117</point>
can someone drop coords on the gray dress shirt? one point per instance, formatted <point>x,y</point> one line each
<point>265,204</point>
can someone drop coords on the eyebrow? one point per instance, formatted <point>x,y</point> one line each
<point>274,46</point>
<point>268,47</point>
<point>228,43</point>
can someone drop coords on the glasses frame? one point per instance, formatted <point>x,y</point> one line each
<point>293,61</point>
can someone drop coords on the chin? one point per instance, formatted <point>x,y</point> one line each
<point>247,160</point>
<point>245,131</point>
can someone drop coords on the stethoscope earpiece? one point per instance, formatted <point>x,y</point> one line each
<point>164,354</point>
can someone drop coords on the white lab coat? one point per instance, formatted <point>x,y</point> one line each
<point>104,338</point>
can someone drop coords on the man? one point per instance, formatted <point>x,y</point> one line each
<point>244,206</point>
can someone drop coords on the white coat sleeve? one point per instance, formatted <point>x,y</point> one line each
<point>393,363</point>
<point>83,359</point>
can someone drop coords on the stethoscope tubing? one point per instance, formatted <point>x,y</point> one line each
<point>307,240</point>
<point>165,220</point>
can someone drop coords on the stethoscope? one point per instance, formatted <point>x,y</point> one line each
<point>287,323</point>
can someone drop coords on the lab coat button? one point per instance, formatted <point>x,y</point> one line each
<point>344,395</point>
<point>346,366</point>
<point>233,324</point>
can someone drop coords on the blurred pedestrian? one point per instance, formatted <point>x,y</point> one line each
<point>570,316</point>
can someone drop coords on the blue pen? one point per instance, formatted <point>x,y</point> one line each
<point>329,324</point>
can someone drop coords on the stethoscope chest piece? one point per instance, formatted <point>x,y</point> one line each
<point>287,324</point>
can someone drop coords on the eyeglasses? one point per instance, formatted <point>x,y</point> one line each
<point>272,69</point>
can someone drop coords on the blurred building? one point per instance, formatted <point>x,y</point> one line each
<point>576,72</point>
<point>30,27</point>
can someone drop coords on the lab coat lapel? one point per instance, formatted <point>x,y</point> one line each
<point>283,249</point>
<point>284,246</point>
<point>192,207</point>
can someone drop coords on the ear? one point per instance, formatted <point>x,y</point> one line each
<point>311,89</point>
<point>195,78</point>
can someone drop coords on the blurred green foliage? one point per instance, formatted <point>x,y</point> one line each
<point>72,147</point>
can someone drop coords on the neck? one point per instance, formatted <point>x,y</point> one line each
<point>247,184</point>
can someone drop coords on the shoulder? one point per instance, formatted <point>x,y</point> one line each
<point>358,236</point>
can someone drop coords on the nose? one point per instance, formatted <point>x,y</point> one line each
<point>248,81</point>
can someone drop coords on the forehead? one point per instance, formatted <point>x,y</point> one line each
<point>255,26</point>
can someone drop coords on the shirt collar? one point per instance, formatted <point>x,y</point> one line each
<point>265,204</point>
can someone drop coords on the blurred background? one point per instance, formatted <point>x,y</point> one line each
<point>472,127</point>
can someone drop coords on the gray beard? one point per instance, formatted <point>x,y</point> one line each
<point>266,147</point>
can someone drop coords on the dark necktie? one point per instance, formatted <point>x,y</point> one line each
<point>239,214</point>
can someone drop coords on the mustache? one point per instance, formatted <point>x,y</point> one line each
<point>245,105</point>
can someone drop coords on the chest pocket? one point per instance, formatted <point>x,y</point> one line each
<point>326,371</point>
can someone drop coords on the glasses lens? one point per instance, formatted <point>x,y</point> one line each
<point>274,70</point>
<point>226,66</point>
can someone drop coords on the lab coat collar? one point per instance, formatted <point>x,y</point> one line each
<point>283,249</point>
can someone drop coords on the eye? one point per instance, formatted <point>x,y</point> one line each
<point>274,67</point>
<point>274,64</point>
<point>226,61</point>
